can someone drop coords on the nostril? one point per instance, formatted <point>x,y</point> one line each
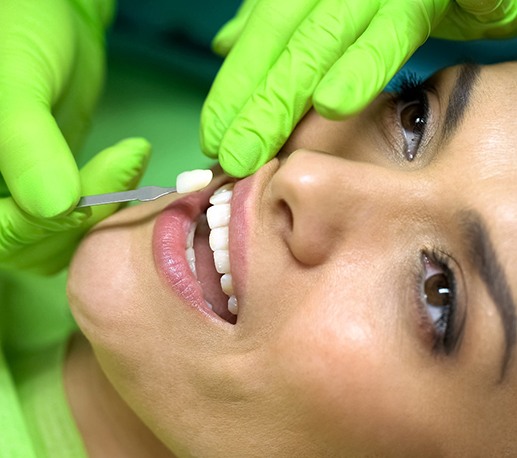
<point>284,207</point>
<point>306,212</point>
<point>284,219</point>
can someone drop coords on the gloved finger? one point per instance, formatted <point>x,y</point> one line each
<point>231,31</point>
<point>266,121</point>
<point>19,229</point>
<point>40,250</point>
<point>370,63</point>
<point>247,65</point>
<point>35,160</point>
<point>114,169</point>
<point>74,108</point>
<point>484,7</point>
<point>464,23</point>
<point>45,246</point>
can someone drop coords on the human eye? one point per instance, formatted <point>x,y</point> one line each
<point>410,105</point>
<point>438,301</point>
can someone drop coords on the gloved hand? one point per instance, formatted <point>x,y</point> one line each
<point>51,72</point>
<point>43,245</point>
<point>52,64</point>
<point>334,54</point>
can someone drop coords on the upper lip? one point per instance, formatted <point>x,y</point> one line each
<point>245,203</point>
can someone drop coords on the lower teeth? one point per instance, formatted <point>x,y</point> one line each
<point>233,307</point>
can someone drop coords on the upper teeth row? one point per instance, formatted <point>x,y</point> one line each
<point>218,218</point>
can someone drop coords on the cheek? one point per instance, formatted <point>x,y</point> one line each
<point>110,286</point>
<point>329,357</point>
<point>344,368</point>
<point>100,279</point>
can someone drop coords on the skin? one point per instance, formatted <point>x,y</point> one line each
<point>331,354</point>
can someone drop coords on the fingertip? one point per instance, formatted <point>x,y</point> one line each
<point>204,148</point>
<point>478,8</point>
<point>227,36</point>
<point>241,162</point>
<point>221,45</point>
<point>139,145</point>
<point>210,131</point>
<point>138,148</point>
<point>43,197</point>
<point>117,167</point>
<point>338,102</point>
<point>326,103</point>
<point>234,166</point>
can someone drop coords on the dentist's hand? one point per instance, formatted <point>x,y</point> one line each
<point>51,71</point>
<point>337,55</point>
<point>45,246</point>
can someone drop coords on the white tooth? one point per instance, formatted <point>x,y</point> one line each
<point>224,188</point>
<point>218,239</point>
<point>191,254</point>
<point>222,261</point>
<point>221,198</point>
<point>233,307</point>
<point>191,259</point>
<point>209,305</point>
<point>193,180</point>
<point>190,237</point>
<point>218,215</point>
<point>192,266</point>
<point>227,284</point>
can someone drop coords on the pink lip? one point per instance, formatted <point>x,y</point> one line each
<point>169,241</point>
<point>246,194</point>
<point>173,225</point>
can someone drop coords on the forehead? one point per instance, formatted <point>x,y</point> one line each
<point>480,159</point>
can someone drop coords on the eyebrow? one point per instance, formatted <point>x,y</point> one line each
<point>484,259</point>
<point>459,98</point>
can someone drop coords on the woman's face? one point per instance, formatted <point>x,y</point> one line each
<point>373,264</point>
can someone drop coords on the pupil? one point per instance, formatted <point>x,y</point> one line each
<point>412,117</point>
<point>437,290</point>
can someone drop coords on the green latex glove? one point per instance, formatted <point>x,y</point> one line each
<point>334,54</point>
<point>43,245</point>
<point>51,72</point>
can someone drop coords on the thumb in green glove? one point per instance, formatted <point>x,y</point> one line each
<point>334,54</point>
<point>45,246</point>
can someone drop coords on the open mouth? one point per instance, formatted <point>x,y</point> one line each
<point>208,255</point>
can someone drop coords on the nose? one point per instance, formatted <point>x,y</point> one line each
<point>329,201</point>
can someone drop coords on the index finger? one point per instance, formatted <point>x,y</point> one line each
<point>267,32</point>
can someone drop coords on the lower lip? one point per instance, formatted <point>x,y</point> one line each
<point>169,241</point>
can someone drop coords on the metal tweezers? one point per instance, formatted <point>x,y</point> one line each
<point>144,194</point>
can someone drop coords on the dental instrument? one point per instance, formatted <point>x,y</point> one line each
<point>189,181</point>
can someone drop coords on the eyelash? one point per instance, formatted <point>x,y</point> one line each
<point>407,89</point>
<point>444,331</point>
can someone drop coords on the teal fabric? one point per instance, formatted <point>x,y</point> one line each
<point>436,54</point>
<point>177,33</point>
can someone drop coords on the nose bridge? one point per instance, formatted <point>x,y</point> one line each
<point>331,199</point>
